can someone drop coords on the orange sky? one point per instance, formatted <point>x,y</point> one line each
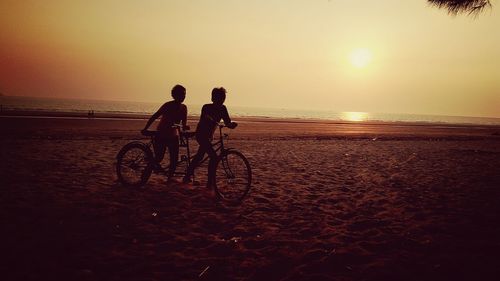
<point>281,54</point>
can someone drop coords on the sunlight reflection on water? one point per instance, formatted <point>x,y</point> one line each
<point>354,116</point>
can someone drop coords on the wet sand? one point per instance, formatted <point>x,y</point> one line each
<point>330,201</point>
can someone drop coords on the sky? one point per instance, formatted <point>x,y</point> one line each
<point>386,56</point>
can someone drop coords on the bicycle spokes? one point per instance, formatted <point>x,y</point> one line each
<point>233,177</point>
<point>227,169</point>
<point>134,165</point>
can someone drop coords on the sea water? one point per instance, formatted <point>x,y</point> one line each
<point>128,107</point>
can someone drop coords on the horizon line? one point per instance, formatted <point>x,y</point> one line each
<point>256,107</point>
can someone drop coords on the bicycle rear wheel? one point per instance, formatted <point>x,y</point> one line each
<point>233,177</point>
<point>134,164</point>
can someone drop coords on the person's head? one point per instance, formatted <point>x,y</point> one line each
<point>218,95</point>
<point>178,93</point>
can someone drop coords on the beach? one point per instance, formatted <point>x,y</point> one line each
<point>329,201</point>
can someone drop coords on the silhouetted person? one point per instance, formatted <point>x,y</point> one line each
<point>211,115</point>
<point>172,112</point>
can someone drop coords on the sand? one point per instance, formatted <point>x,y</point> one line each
<point>330,201</point>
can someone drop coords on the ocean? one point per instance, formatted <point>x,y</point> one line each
<point>127,107</point>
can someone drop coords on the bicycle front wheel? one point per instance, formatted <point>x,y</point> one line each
<point>134,164</point>
<point>233,177</point>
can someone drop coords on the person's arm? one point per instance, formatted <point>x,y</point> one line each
<point>184,119</point>
<point>154,117</point>
<point>205,115</point>
<point>227,119</point>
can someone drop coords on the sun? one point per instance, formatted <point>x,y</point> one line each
<point>360,57</point>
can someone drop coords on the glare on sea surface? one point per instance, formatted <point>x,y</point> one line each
<point>360,57</point>
<point>354,116</point>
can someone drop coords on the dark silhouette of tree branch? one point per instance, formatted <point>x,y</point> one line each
<point>471,7</point>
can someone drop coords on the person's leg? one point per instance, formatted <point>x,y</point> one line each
<point>194,163</point>
<point>160,145</point>
<point>173,149</point>
<point>212,155</point>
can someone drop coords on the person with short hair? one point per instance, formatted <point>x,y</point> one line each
<point>171,112</point>
<point>211,115</point>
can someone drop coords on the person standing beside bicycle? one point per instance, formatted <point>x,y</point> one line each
<point>211,115</point>
<point>172,112</point>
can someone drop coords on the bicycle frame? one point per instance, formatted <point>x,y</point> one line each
<point>184,142</point>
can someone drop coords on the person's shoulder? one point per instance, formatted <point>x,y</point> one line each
<point>163,107</point>
<point>168,103</point>
<point>174,105</point>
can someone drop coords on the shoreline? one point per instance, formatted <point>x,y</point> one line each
<point>71,126</point>
<point>138,116</point>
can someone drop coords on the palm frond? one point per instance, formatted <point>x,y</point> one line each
<point>462,6</point>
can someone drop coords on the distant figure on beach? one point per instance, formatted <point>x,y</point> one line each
<point>172,112</point>
<point>211,115</point>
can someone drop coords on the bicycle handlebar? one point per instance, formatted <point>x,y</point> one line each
<point>222,125</point>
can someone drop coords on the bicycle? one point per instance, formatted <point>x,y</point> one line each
<point>233,174</point>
